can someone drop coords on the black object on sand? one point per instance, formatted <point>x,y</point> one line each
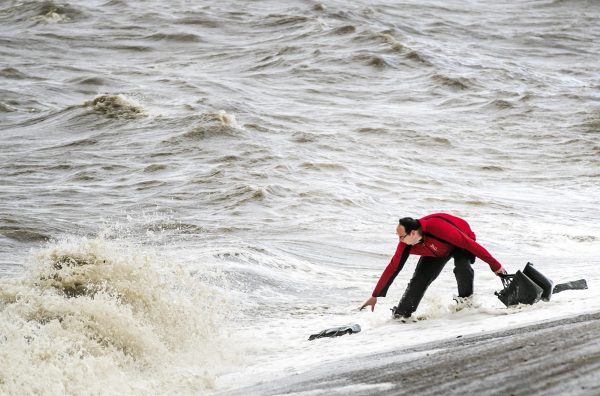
<point>336,331</point>
<point>530,285</point>
<point>580,284</point>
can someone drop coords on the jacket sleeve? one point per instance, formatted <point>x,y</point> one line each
<point>461,240</point>
<point>392,270</point>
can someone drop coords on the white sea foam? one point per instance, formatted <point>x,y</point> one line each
<point>95,317</point>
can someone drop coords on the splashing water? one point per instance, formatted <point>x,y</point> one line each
<point>91,316</point>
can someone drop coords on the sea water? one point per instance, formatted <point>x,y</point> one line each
<point>189,190</point>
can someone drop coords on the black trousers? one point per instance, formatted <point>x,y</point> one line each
<point>428,268</point>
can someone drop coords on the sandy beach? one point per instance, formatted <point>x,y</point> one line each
<point>551,358</point>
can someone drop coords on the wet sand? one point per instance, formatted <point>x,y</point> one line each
<point>551,358</point>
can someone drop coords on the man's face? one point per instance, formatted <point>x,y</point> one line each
<point>410,239</point>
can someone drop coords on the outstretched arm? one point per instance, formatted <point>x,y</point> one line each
<point>392,270</point>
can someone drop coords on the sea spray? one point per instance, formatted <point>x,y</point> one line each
<point>92,316</point>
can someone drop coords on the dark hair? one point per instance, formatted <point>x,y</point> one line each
<point>410,224</point>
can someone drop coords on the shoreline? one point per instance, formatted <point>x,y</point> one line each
<point>551,358</point>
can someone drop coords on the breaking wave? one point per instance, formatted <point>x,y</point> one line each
<point>117,106</point>
<point>94,317</point>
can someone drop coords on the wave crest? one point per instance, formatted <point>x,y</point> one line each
<point>116,106</point>
<point>213,124</point>
<point>42,12</point>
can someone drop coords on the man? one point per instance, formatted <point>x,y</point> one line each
<point>436,238</point>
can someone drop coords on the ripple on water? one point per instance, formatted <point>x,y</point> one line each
<point>155,168</point>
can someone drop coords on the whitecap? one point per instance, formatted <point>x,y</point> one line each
<point>117,106</point>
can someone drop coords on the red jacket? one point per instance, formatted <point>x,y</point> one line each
<point>442,233</point>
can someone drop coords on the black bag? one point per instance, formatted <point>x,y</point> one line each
<point>546,284</point>
<point>529,286</point>
<point>519,289</point>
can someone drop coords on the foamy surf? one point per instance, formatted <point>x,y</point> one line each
<point>92,316</point>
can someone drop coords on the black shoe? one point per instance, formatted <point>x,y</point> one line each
<point>398,315</point>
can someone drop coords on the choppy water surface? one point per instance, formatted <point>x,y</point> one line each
<point>189,189</point>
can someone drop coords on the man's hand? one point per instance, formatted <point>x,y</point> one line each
<point>501,271</point>
<point>371,301</point>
